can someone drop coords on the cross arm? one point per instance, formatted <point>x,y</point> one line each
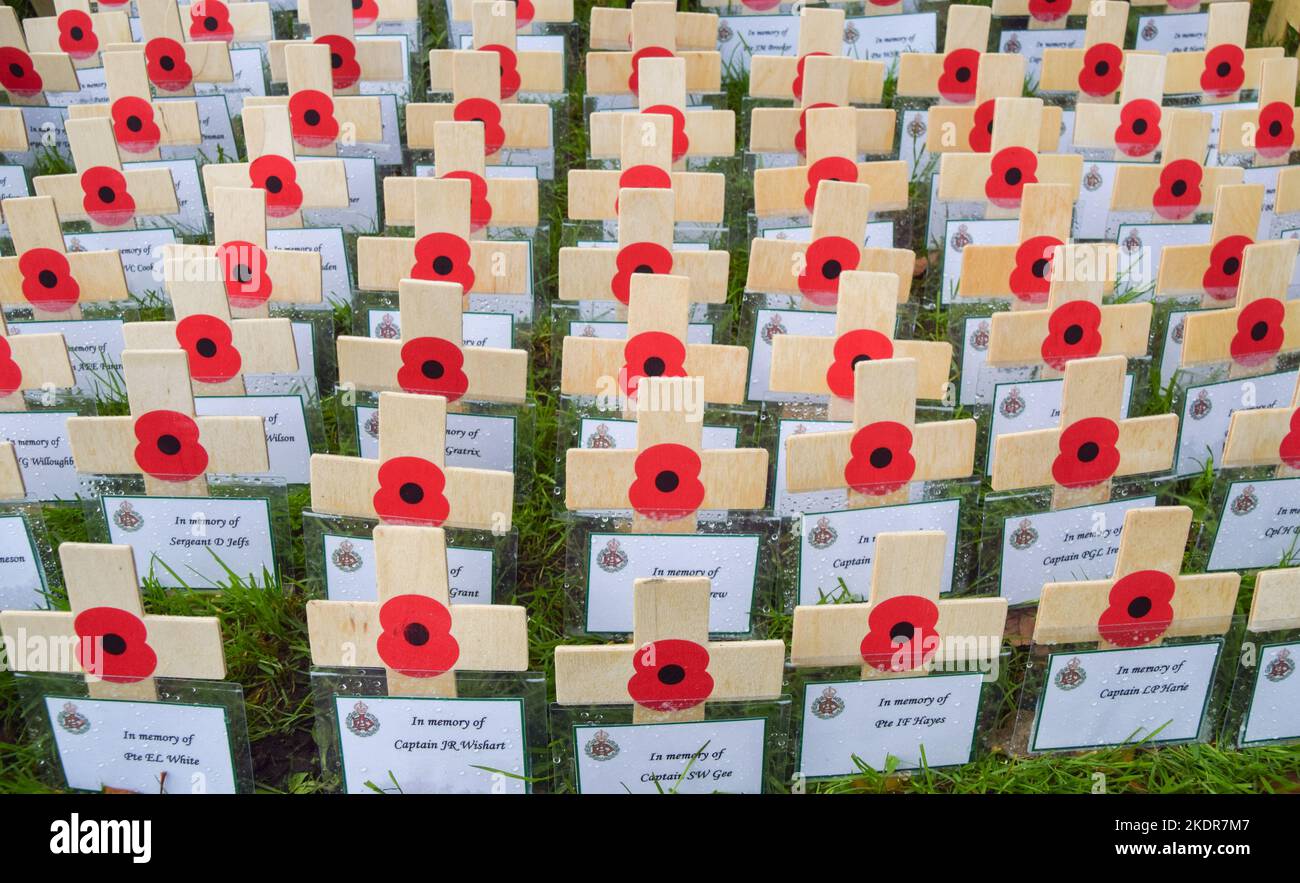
<point>1254,436</point>
<point>106,445</point>
<point>831,634</point>
<point>1207,333</point>
<point>152,189</point>
<point>513,200</point>
<point>800,363</point>
<point>527,126</point>
<point>599,675</point>
<point>1203,605</point>
<point>43,359</point>
<point>178,121</point>
<point>265,345</point>
<point>709,133</point>
<point>296,274</point>
<point>495,375</point>
<point>384,261</point>
<point>943,449</point>
<point>586,273</point>
<point>98,273</point>
<point>491,636</point>
<point>698,197</point>
<point>599,479</point>
<point>1135,186</point>
<point>773,129</point>
<point>1024,459</point>
<point>1016,337</point>
<point>323,181</point>
<point>1276,602</point>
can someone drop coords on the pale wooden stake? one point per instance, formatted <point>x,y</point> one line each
<point>1184,268</point>
<point>1256,437</point>
<point>1275,605</point>
<point>42,363</point>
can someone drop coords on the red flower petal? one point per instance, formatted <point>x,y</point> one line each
<point>852,347</point>
<point>277,176</point>
<point>433,366</point>
<point>881,460</point>
<point>634,81</point>
<point>1139,611</point>
<point>1031,280</point>
<point>981,130</point>
<point>901,633</point>
<point>481,110</point>
<point>1179,193</point>
<point>509,67</point>
<point>311,118</point>
<point>169,447</point>
<point>1073,332</point>
<point>77,34</point>
<point>1088,455</point>
<point>48,283</point>
<point>1138,133</point>
<point>1260,333</point>
<point>133,124</point>
<point>1276,134</point>
<point>443,257</point>
<point>1223,72</point>
<point>344,68</point>
<point>667,484</point>
<point>113,644</point>
<point>364,13</point>
<point>824,261</point>
<point>166,66</point>
<point>681,144</point>
<point>1102,71</point>
<point>797,86</point>
<point>210,20</point>
<point>480,210</point>
<point>411,492</point>
<point>1224,273</point>
<point>960,74</point>
<point>1289,450</point>
<point>524,12</point>
<point>638,257</point>
<point>1049,10</point>
<point>210,346</point>
<point>17,74</point>
<point>243,269</point>
<point>11,374</point>
<point>828,168</point>
<point>670,675</point>
<point>801,137</point>
<point>105,197</point>
<point>416,639</point>
<point>1009,171</point>
<point>650,354</point>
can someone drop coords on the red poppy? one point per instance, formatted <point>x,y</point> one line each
<point>509,67</point>
<point>1223,72</point>
<point>1088,455</point>
<point>1010,170</point>
<point>364,13</point>
<point>169,447</point>
<point>634,81</point>
<point>211,348</point>
<point>981,130</point>
<point>801,137</point>
<point>277,176</point>
<point>433,365</point>
<point>1276,134</point>
<point>133,125</point>
<point>852,347</point>
<point>1179,192</point>
<point>113,644</point>
<point>48,283</point>
<point>670,675</point>
<point>524,12</point>
<point>410,492</point>
<point>667,484</point>
<point>114,3</point>
<point>828,168</point>
<point>17,74</point>
<point>638,257</point>
<point>1049,10</point>
<point>761,5</point>
<point>166,65</point>
<point>11,373</point>
<point>1289,450</point>
<point>77,34</point>
<point>824,261</point>
<point>881,459</point>
<point>481,110</point>
<point>1224,273</point>
<point>650,354</point>
<point>443,257</point>
<point>1138,133</point>
<point>901,633</point>
<point>311,118</point>
<point>1073,332</point>
<point>1139,611</point>
<point>480,210</point>
<point>1260,334</point>
<point>1031,279</point>
<point>681,144</point>
<point>104,196</point>
<point>647,177</point>
<point>1102,71</point>
<point>344,67</point>
<point>416,639</point>
<point>210,20</point>
<point>960,73</point>
<point>797,86</point>
<point>243,269</point>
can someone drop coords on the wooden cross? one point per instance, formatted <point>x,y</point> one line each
<point>1261,325</point>
<point>228,21</point>
<point>11,475</point>
<point>1225,67</point>
<point>654,29</point>
<point>865,318</point>
<point>441,250</point>
<point>670,670</point>
<point>886,449</point>
<point>290,186</point>
<point>1266,437</point>
<point>813,268</point>
<point>119,648</point>
<point>828,81</point>
<point>950,76</point>
<point>32,74</point>
<point>101,191</point>
<point>161,439</point>
<point>352,61</point>
<point>1093,443</point>
<point>821,33</point>
<point>476,97</point>
<point>968,128</point>
<point>1043,15</point>
<point>30,362</point>
<point>221,350</point>
<point>1265,134</point>
<point>536,70</point>
<point>831,154</point>
<point>669,477</point>
<point>74,29</point>
<point>1181,185</point>
<point>1147,599</point>
<point>394,632</point>
<point>44,275</point>
<point>1275,604</point>
<point>1094,72</point>
<point>1137,126</point>
<point>1213,270</point>
<point>697,132</point>
<point>409,483</point>
<point>527,13</point>
<point>997,179</point>
<point>430,358</point>
<point>140,125</point>
<point>367,17</point>
<point>646,160</point>
<point>458,151</point>
<point>176,61</point>
<point>645,245</point>
<point>319,120</point>
<point>904,628</point>
<point>658,315</point>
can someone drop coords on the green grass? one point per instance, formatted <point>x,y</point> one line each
<point>265,632</point>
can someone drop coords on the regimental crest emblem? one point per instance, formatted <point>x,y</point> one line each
<point>1013,405</point>
<point>346,557</point>
<point>1013,45</point>
<point>1071,676</point>
<point>827,705</point>
<point>1150,31</point>
<point>725,32</point>
<point>1179,330</point>
<point>612,558</point>
<point>1245,502</point>
<point>961,238</point>
<point>916,128</point>
<point>127,518</point>
<point>822,535</point>
<point>851,33</point>
<point>76,244</point>
<point>371,426</point>
<point>387,329</point>
<point>1024,536</point>
<point>601,438</point>
<point>72,721</point>
<point>773,327</point>
<point>361,722</point>
<point>1201,405</point>
<point>601,747</point>
<point>979,338</point>
<point>1132,242</point>
<point>1093,180</point>
<point>587,331</point>
<point>1280,667</point>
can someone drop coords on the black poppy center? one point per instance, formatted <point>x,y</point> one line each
<point>1040,268</point>
<point>832,269</point>
<point>312,117</point>
<point>76,33</point>
<point>442,265</point>
<point>667,481</point>
<point>1231,266</point>
<point>1139,127</point>
<point>432,369</point>
<point>1073,334</point>
<point>416,634</point>
<point>106,194</point>
<point>114,644</point>
<point>1013,176</point>
<point>169,444</point>
<point>1259,331</point>
<point>881,457</point>
<point>274,184</point>
<point>336,60</point>
<point>1178,188</point>
<point>644,268</point>
<point>1101,68</point>
<point>653,367</point>
<point>860,357</point>
<point>206,347</point>
<point>962,75</point>
<point>243,274</point>
<point>1275,128</point>
<point>48,278</point>
<point>411,493</point>
<point>356,4</point>
<point>1088,452</point>
<point>17,70</point>
<point>210,23</point>
<point>904,630</point>
<point>672,674</point>
<point>167,63</point>
<point>134,123</point>
<point>1139,607</point>
<point>1223,69</point>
